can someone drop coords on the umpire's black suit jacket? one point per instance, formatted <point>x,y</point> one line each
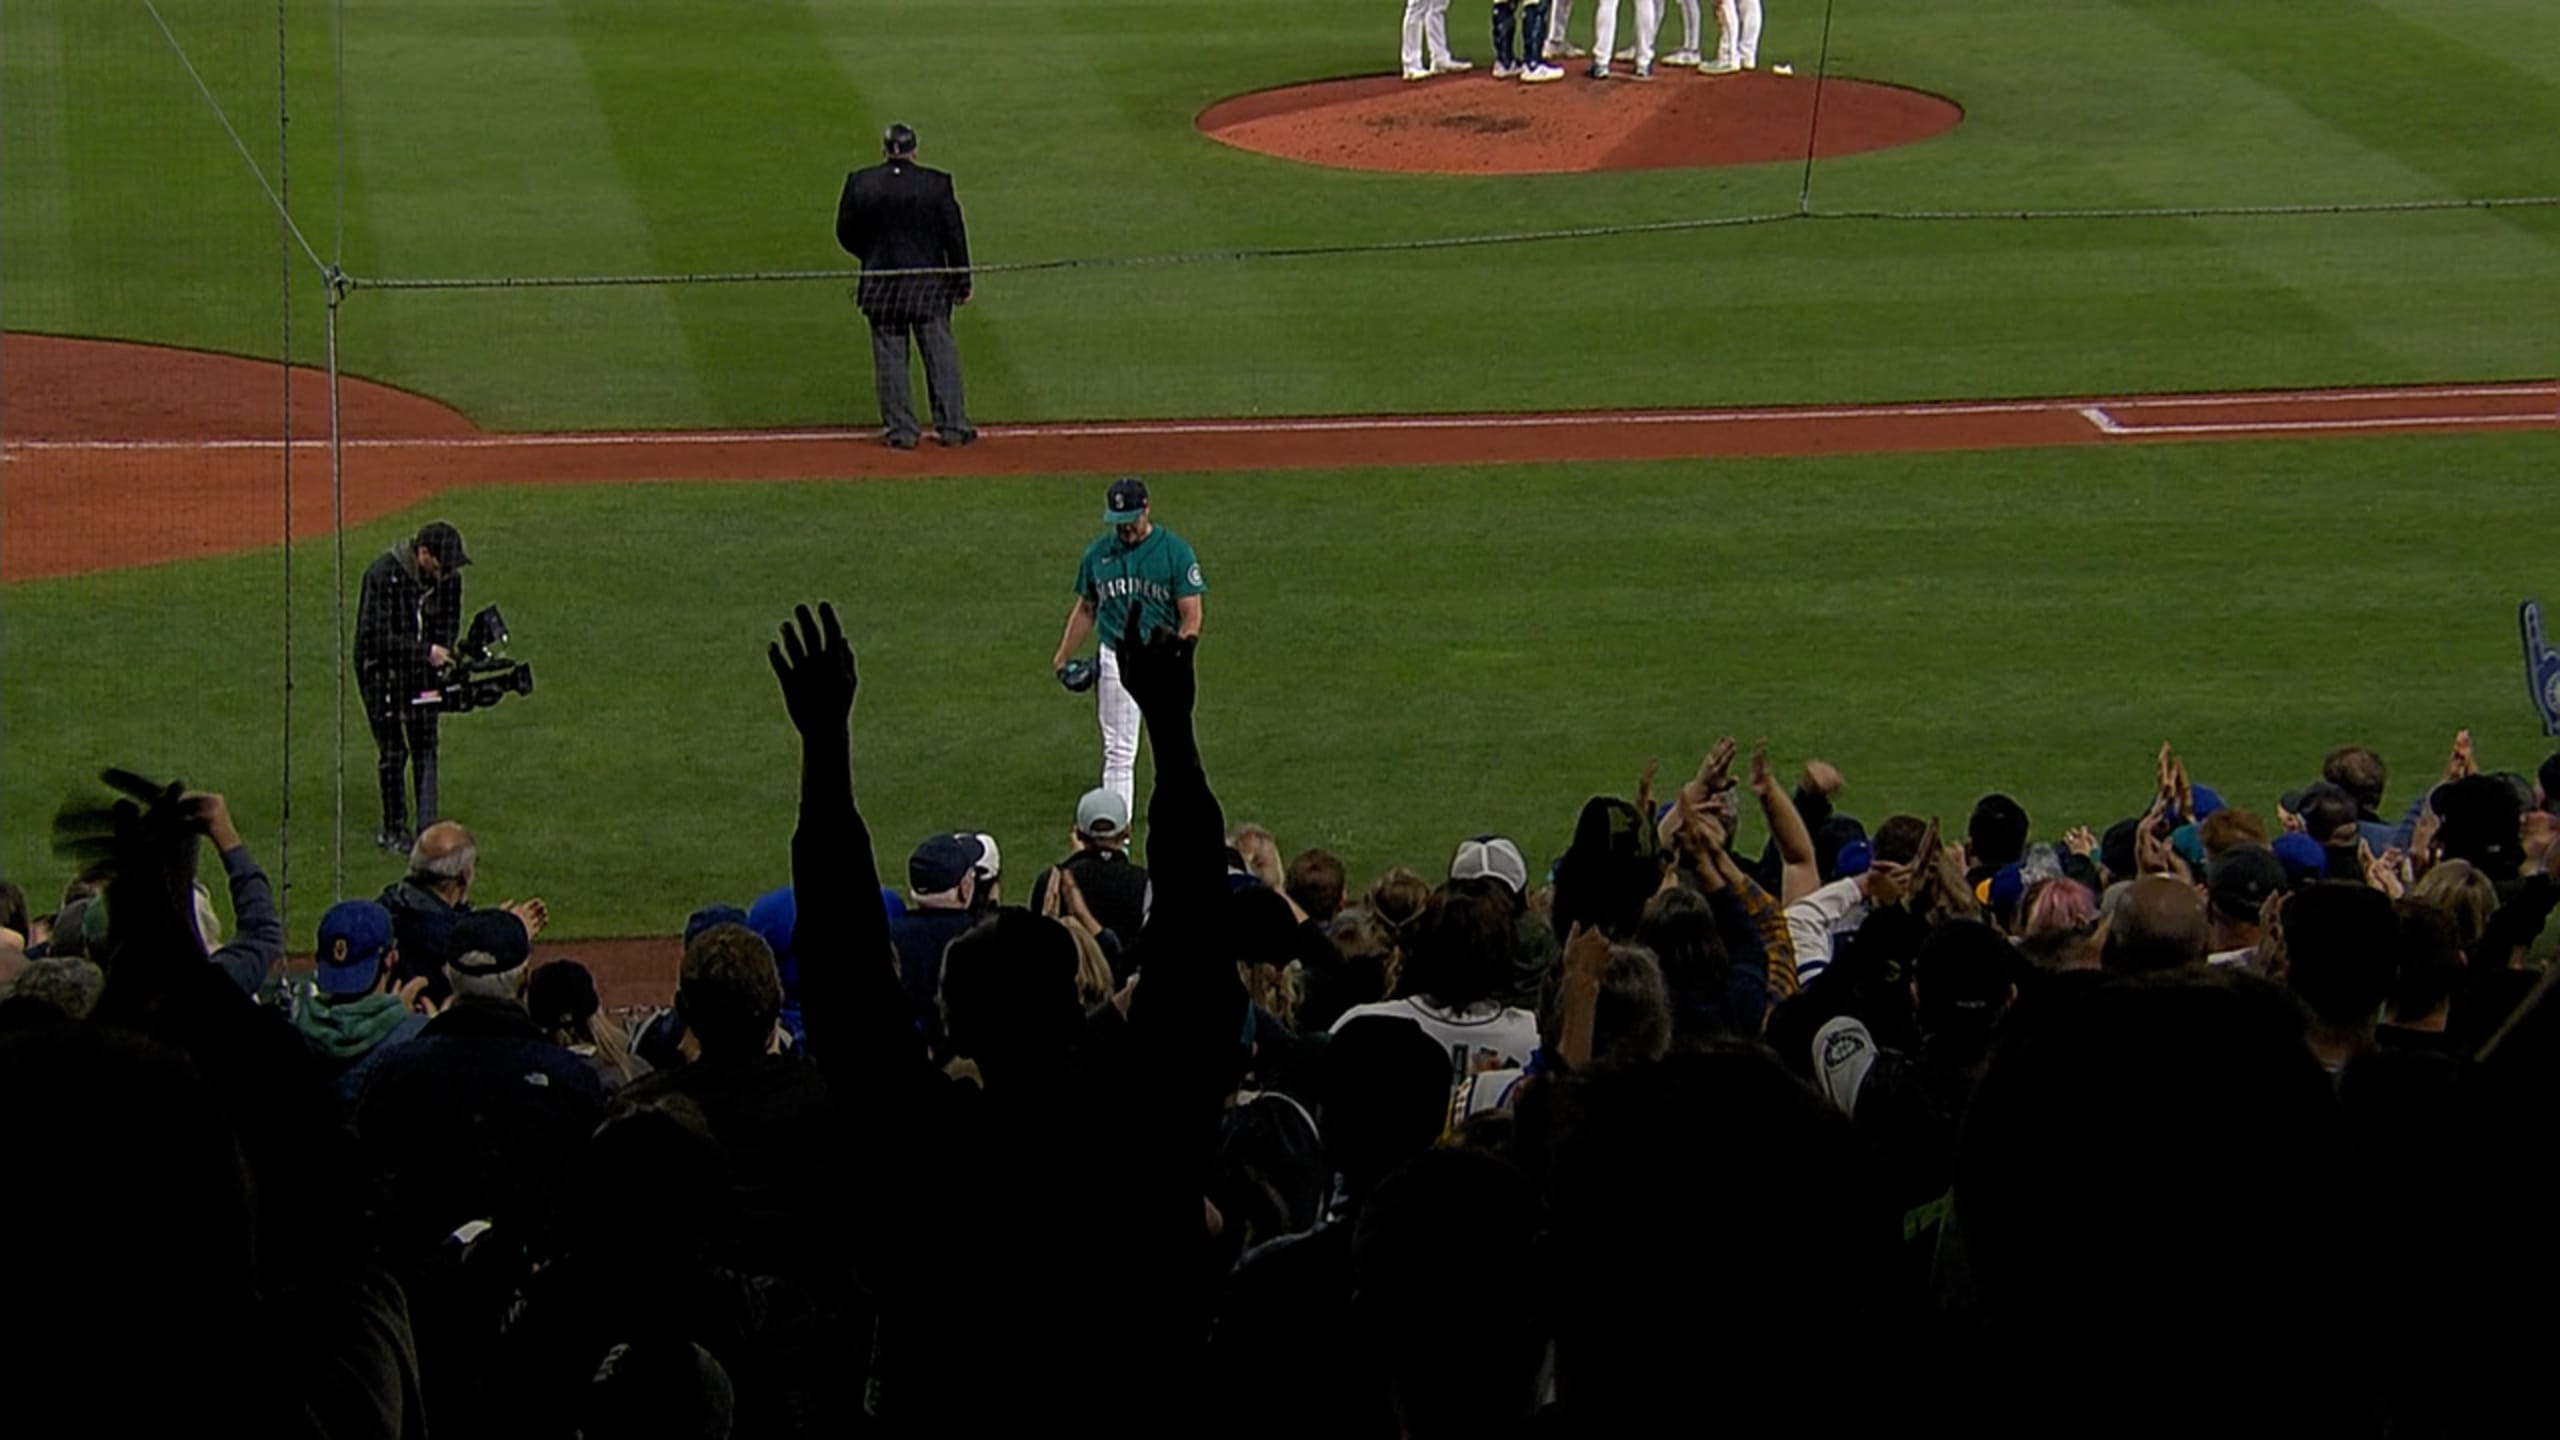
<point>899,215</point>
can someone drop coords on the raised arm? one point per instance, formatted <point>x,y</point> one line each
<point>860,1027</point>
<point>1786,829</point>
<point>257,942</point>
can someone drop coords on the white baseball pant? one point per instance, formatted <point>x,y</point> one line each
<point>1692,24</point>
<point>1120,722</point>
<point>1426,34</point>
<point>1558,13</point>
<point>1738,33</point>
<point>1648,25</point>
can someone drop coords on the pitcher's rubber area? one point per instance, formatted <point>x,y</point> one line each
<point>120,455</point>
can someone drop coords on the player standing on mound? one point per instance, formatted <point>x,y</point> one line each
<point>1737,38</point>
<point>1142,571</point>
<point>1426,28</point>
<point>1528,62</point>
<point>1605,37</point>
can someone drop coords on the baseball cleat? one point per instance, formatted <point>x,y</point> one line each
<point>1502,71</point>
<point>1644,72</point>
<point>1598,72</point>
<point>1540,74</point>
<point>1683,57</point>
<point>1451,65</point>
<point>1565,50</point>
<point>1717,67</point>
<point>1417,74</point>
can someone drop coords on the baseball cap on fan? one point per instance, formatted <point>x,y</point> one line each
<point>354,936</point>
<point>1126,501</point>
<point>1102,815</point>
<point>942,862</point>
<point>1491,857</point>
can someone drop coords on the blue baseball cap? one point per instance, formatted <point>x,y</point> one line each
<point>354,936</point>
<point>2303,860</point>
<point>1126,501</point>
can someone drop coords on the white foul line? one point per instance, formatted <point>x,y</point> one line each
<point>2100,418</point>
<point>2098,414</point>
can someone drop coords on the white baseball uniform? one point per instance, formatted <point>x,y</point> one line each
<point>1693,25</point>
<point>1648,25</point>
<point>1559,14</point>
<point>1120,722</point>
<point>1426,35</point>
<point>1738,33</point>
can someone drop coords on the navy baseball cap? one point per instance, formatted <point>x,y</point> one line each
<point>1127,500</point>
<point>490,942</point>
<point>354,936</point>
<point>942,862</point>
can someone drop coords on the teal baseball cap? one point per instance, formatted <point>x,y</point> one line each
<point>1126,502</point>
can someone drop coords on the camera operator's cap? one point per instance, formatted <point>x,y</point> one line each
<point>942,862</point>
<point>1126,501</point>
<point>354,936</point>
<point>1491,857</point>
<point>1102,815</point>
<point>489,942</point>
<point>445,543</point>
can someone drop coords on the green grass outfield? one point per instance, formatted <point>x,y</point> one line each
<point>1397,659</point>
<point>618,136</point>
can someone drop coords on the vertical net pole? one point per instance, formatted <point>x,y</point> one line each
<point>1813,128</point>
<point>338,572</point>
<point>284,295</point>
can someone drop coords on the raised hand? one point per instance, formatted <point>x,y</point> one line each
<point>1823,778</point>
<point>2082,841</point>
<point>815,666</point>
<point>2387,872</point>
<point>534,915</point>
<point>213,816</point>
<point>1763,779</point>
<point>1644,786</point>
<point>1157,670</point>
<point>2462,762</point>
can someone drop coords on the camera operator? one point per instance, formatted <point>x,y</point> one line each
<point>406,622</point>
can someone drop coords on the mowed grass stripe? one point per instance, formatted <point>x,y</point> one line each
<point>483,152</point>
<point>732,130</point>
<point>35,224</point>
<point>2467,119</point>
<point>1396,658</point>
<point>2518,32</point>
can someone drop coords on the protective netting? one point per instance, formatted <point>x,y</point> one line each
<point>239,114</point>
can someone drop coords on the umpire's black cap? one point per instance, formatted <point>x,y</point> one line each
<point>899,139</point>
<point>445,543</point>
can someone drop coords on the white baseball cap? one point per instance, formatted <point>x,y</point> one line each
<point>1491,857</point>
<point>1102,815</point>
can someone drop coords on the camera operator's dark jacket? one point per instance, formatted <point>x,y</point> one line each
<point>398,616</point>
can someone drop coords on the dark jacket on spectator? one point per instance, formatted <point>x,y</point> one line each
<point>899,215</point>
<point>1114,889</point>
<point>423,924</point>
<point>257,939</point>
<point>774,1123</point>
<point>476,1119</point>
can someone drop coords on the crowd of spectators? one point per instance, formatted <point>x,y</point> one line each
<point>2212,1119</point>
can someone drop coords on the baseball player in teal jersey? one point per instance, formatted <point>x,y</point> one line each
<point>1140,565</point>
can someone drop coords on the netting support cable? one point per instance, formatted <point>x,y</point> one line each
<point>285,234</point>
<point>283,212</point>
<point>1813,127</point>
<point>1453,242</point>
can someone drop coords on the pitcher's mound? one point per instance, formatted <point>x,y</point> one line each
<point>1477,125</point>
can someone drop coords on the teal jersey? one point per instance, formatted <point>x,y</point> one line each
<point>1151,575</point>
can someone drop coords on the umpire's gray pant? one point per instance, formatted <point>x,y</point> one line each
<point>941,377</point>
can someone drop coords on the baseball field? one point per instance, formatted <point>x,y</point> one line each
<point>1502,483</point>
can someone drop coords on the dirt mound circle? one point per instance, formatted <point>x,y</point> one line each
<point>67,388</point>
<point>1477,125</point>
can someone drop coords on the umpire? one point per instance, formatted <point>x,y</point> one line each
<point>901,217</point>
<point>406,622</point>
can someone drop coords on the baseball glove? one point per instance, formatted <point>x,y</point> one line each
<point>1078,675</point>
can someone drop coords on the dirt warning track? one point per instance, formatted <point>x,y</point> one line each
<point>119,455</point>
